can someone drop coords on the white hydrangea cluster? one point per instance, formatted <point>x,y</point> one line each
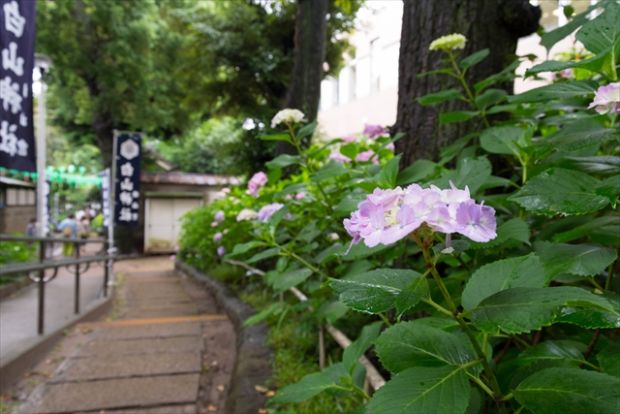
<point>449,42</point>
<point>287,116</point>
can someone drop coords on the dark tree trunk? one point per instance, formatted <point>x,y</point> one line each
<point>304,90</point>
<point>492,24</point>
<point>310,30</point>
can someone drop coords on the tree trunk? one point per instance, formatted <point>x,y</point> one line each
<point>492,24</point>
<point>304,91</point>
<point>310,29</point>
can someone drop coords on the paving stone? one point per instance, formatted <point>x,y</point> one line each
<point>162,312</point>
<point>119,393</point>
<point>142,346</point>
<point>170,409</point>
<point>150,331</point>
<point>81,369</point>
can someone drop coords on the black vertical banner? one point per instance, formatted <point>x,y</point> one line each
<point>127,156</point>
<point>17,33</point>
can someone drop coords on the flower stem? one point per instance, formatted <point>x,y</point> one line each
<point>459,318</point>
<point>460,75</point>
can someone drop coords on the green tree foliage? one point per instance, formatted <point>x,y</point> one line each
<point>164,67</point>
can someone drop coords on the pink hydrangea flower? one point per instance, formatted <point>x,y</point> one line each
<point>219,216</point>
<point>257,182</point>
<point>374,131</point>
<point>246,214</point>
<point>217,237</point>
<point>269,210</point>
<point>221,251</point>
<point>300,196</point>
<point>607,99</point>
<point>367,156</point>
<point>387,216</point>
<point>349,138</point>
<point>338,157</point>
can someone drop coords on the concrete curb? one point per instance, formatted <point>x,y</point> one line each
<point>12,370</point>
<point>253,365</point>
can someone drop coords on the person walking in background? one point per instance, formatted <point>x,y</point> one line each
<point>31,228</point>
<point>69,229</point>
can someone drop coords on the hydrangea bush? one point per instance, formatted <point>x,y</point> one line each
<point>488,275</point>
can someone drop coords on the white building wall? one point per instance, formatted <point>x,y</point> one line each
<point>366,90</point>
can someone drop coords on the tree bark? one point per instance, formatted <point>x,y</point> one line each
<point>304,91</point>
<point>492,24</point>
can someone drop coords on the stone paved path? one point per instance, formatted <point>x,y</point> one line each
<point>167,350</point>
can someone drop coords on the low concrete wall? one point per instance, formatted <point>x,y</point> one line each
<point>254,361</point>
<point>12,370</point>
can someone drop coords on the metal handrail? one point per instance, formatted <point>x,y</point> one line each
<point>49,264</point>
<point>9,237</point>
<point>44,264</point>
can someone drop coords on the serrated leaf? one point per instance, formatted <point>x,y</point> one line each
<point>569,391</point>
<point>330,170</point>
<point>585,229</point>
<point>522,309</point>
<point>603,32</point>
<point>276,137</point>
<point>574,259</point>
<point>594,64</point>
<point>411,344</point>
<point>284,281</point>
<point>559,351</point>
<point>514,229</point>
<point>550,38</point>
<point>456,116</point>
<point>560,191</point>
<point>360,251</point>
<point>599,164</point>
<point>265,254</point>
<point>471,172</point>
<point>439,97</point>
<point>388,174</point>
<point>273,309</point>
<point>306,130</point>
<point>376,291</point>
<point>311,385</point>
<point>502,139</point>
<point>244,248</point>
<point>473,59</point>
<point>332,311</point>
<point>490,97</point>
<point>562,90</point>
<point>417,171</point>
<point>354,351</point>
<point>609,359</point>
<point>282,161</point>
<point>523,271</point>
<point>423,390</point>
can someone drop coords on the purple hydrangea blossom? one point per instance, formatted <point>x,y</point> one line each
<point>367,156</point>
<point>269,210</point>
<point>300,196</point>
<point>476,221</point>
<point>337,156</point>
<point>257,182</point>
<point>219,216</point>
<point>607,99</point>
<point>221,251</point>
<point>387,216</point>
<point>217,237</point>
<point>374,131</point>
<point>349,138</point>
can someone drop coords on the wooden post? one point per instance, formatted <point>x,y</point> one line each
<point>41,285</point>
<point>77,279</point>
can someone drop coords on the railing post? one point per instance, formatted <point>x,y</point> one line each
<point>77,278</point>
<point>106,269</point>
<point>41,283</point>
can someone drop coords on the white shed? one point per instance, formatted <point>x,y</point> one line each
<point>168,197</point>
